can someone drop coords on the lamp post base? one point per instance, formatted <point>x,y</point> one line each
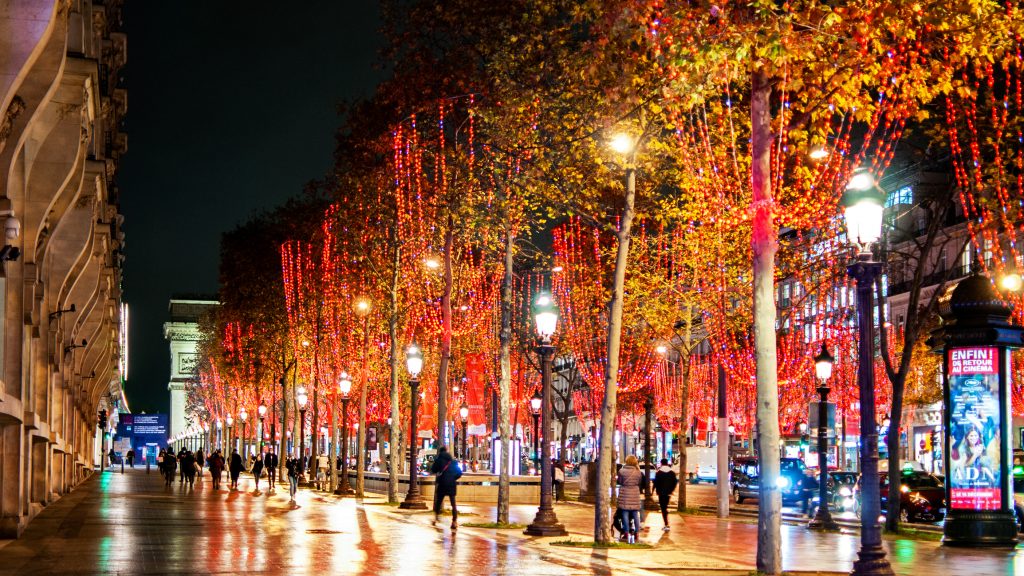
<point>413,502</point>
<point>823,521</point>
<point>872,562</point>
<point>651,504</point>
<point>343,489</point>
<point>545,524</point>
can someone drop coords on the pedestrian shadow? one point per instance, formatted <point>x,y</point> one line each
<point>599,562</point>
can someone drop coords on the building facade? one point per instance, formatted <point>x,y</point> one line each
<point>62,103</point>
<point>182,332</point>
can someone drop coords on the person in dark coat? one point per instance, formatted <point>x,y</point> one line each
<point>188,467</point>
<point>216,463</point>
<point>257,471</point>
<point>170,463</point>
<point>448,473</point>
<point>200,462</point>
<point>235,468</point>
<point>270,463</point>
<point>629,480</point>
<point>181,475</point>
<point>131,457</point>
<point>665,482</point>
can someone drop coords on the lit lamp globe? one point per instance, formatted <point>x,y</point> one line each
<point>230,420</point>
<point>219,424</point>
<point>243,415</point>
<point>301,398</point>
<point>823,363</point>
<point>262,410</point>
<point>206,426</point>
<point>464,411</point>
<point>864,204</point>
<point>535,402</point>
<point>413,360</point>
<point>545,313</point>
<point>344,384</point>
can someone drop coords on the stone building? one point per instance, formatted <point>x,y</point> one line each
<point>62,103</point>
<point>182,331</point>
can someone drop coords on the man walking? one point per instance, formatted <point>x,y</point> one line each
<point>270,463</point>
<point>665,482</point>
<point>448,473</point>
<point>235,468</point>
<point>131,458</point>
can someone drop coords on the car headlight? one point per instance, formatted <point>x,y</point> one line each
<point>845,491</point>
<point>782,483</point>
<point>904,488</point>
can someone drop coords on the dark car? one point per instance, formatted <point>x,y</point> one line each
<point>841,487</point>
<point>922,496</point>
<point>745,482</point>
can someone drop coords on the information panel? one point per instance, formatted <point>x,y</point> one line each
<point>974,460</point>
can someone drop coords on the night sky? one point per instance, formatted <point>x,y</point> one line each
<point>232,108</point>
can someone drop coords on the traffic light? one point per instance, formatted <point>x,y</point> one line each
<point>101,419</point>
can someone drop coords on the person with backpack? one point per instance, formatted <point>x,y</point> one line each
<point>665,482</point>
<point>630,481</point>
<point>448,473</point>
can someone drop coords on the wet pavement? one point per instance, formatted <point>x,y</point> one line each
<point>131,524</point>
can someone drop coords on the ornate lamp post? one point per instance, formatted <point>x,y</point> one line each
<point>220,438</point>
<point>344,387</point>
<point>545,313</point>
<point>206,436</point>
<point>535,404</point>
<point>301,399</point>
<point>464,414</point>
<point>649,502</point>
<point>244,417</point>
<point>231,439</point>
<point>262,412</point>
<point>823,369</point>
<point>413,363</point>
<point>864,206</point>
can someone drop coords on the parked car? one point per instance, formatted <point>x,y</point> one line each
<point>922,496</point>
<point>745,482</point>
<point>702,464</point>
<point>841,487</point>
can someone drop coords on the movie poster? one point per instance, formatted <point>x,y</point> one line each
<point>974,459</point>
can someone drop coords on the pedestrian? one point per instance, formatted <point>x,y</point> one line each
<point>170,463</point>
<point>111,457</point>
<point>559,481</point>
<point>200,462</point>
<point>257,471</point>
<point>188,467</point>
<point>294,469</point>
<point>629,481</point>
<point>131,458</point>
<point>216,463</point>
<point>448,473</point>
<point>181,476</point>
<point>235,468</point>
<point>665,482</point>
<point>270,463</point>
<point>322,463</point>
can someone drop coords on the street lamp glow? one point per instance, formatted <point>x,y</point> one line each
<point>622,143</point>
<point>219,424</point>
<point>545,313</point>
<point>536,401</point>
<point>1011,282</point>
<point>230,420</point>
<point>864,206</point>
<point>432,263</point>
<point>818,154</point>
<point>823,363</point>
<point>243,415</point>
<point>206,426</point>
<point>301,397</point>
<point>344,384</point>
<point>803,427</point>
<point>661,349</point>
<point>261,410</point>
<point>363,306</point>
<point>413,360</point>
<point>464,411</point>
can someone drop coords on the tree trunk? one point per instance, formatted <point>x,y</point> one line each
<point>764,241</point>
<point>684,418</point>
<point>602,513</point>
<point>446,337</point>
<point>396,420</point>
<point>504,384</point>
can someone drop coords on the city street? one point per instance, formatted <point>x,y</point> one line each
<point>132,524</point>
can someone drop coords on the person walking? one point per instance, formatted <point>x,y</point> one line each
<point>665,482</point>
<point>559,481</point>
<point>293,468</point>
<point>200,462</point>
<point>170,464</point>
<point>216,464</point>
<point>235,468</point>
<point>629,481</point>
<point>131,458</point>
<point>257,471</point>
<point>448,473</point>
<point>270,464</point>
<point>181,476</point>
<point>188,468</point>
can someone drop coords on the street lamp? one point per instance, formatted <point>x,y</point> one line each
<point>230,422</point>
<point>414,364</point>
<point>206,435</point>
<point>301,398</point>
<point>535,405</point>
<point>262,412</point>
<point>545,313</point>
<point>244,417</point>
<point>649,502</point>
<point>464,414</point>
<point>864,206</point>
<point>823,370</point>
<point>344,387</point>
<point>220,437</point>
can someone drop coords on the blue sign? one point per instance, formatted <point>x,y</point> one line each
<point>143,429</point>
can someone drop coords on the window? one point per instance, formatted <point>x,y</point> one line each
<point>904,195</point>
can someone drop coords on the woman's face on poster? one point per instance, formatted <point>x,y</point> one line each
<point>973,437</point>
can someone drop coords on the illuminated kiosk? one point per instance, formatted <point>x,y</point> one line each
<point>975,341</point>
